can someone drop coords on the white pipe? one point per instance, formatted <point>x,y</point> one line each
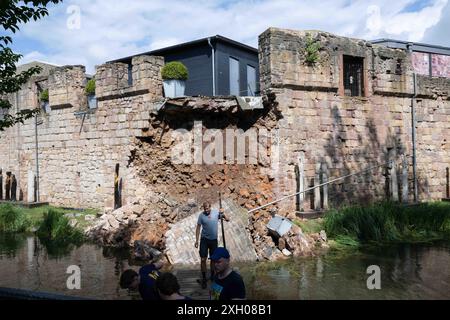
<point>413,127</point>
<point>213,66</point>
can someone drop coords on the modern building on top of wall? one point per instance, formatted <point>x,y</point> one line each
<point>429,60</point>
<point>217,66</point>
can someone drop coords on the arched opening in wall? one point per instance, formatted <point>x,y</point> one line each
<point>117,188</point>
<point>8,186</point>
<point>13,188</point>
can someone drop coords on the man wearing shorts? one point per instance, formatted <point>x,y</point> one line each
<point>207,222</point>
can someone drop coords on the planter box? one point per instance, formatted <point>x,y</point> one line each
<point>279,225</point>
<point>92,101</point>
<point>45,105</point>
<point>174,88</point>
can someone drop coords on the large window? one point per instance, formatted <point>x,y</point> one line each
<point>353,76</point>
<point>251,80</point>
<point>234,77</point>
<point>130,74</point>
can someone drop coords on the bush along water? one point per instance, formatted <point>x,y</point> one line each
<point>12,220</point>
<point>57,235</point>
<point>56,227</point>
<point>389,222</point>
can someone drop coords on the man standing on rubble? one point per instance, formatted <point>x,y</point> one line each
<point>207,222</point>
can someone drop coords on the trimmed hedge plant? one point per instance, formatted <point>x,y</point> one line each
<point>90,87</point>
<point>174,70</point>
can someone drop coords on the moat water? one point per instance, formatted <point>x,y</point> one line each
<point>406,272</point>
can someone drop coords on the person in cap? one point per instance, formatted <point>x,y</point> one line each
<point>227,284</point>
<point>144,281</point>
<point>207,222</point>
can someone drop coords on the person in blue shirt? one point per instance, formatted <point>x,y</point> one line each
<point>207,223</point>
<point>144,281</point>
<point>227,283</point>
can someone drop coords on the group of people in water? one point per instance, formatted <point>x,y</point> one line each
<point>226,284</point>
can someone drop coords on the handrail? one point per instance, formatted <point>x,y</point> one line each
<point>21,294</point>
<point>389,163</point>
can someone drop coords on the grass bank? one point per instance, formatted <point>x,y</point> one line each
<point>54,227</point>
<point>389,222</point>
<point>383,223</point>
<point>16,219</point>
<point>13,220</point>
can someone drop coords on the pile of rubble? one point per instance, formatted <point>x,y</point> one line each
<point>271,246</point>
<point>140,225</point>
<point>143,229</point>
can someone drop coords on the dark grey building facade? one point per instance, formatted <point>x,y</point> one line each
<point>217,66</point>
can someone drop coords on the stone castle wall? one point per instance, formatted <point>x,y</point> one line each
<point>347,134</point>
<point>305,104</point>
<point>80,147</point>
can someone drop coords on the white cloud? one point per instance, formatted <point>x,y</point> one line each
<point>33,56</point>
<point>162,43</point>
<point>438,34</point>
<point>112,29</point>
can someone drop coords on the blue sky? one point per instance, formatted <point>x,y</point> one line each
<point>90,32</point>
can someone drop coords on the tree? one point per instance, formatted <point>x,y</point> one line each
<point>12,13</point>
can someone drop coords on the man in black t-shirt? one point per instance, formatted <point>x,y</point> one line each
<point>227,284</point>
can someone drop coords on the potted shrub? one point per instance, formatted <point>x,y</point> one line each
<point>43,98</point>
<point>90,93</point>
<point>174,75</point>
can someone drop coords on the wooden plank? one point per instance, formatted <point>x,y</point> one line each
<point>325,187</point>
<point>187,278</point>
<point>393,175</point>
<point>404,179</point>
<point>301,180</point>
<point>317,190</point>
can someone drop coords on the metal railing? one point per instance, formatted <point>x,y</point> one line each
<point>21,294</point>
<point>388,164</point>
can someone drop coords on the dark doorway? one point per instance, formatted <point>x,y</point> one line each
<point>353,76</point>
<point>117,189</point>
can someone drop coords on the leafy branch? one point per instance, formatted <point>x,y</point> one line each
<point>12,13</point>
<point>312,50</point>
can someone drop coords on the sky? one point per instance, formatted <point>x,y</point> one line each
<point>91,32</point>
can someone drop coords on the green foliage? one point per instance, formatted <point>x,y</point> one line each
<point>12,219</point>
<point>390,222</point>
<point>312,50</point>
<point>310,225</point>
<point>10,243</point>
<point>44,96</point>
<point>56,227</point>
<point>174,70</point>
<point>13,13</point>
<point>90,87</point>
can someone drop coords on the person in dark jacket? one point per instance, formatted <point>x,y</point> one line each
<point>144,281</point>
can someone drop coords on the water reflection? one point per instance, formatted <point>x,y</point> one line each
<point>28,263</point>
<point>407,272</point>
